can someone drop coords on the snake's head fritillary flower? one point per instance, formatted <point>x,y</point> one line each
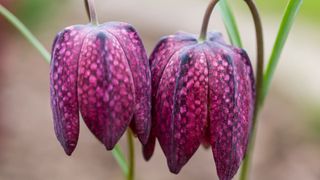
<point>101,71</point>
<point>201,92</point>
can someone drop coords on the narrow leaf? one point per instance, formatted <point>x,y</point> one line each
<point>118,155</point>
<point>230,23</point>
<point>291,11</point>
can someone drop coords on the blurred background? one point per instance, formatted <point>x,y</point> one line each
<point>288,140</point>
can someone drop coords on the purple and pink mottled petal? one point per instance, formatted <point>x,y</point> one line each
<point>63,86</point>
<point>182,121</point>
<point>163,52</point>
<point>139,65</point>
<point>105,87</point>
<point>230,108</point>
<point>148,149</point>
<point>164,103</point>
<point>159,59</point>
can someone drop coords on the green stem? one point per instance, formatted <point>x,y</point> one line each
<point>131,155</point>
<point>91,11</point>
<point>206,19</point>
<point>287,21</point>
<point>25,32</point>
<point>117,153</point>
<point>259,83</point>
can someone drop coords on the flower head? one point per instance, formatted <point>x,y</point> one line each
<point>103,72</point>
<point>201,92</point>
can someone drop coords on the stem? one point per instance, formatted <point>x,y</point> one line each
<point>91,11</point>
<point>25,32</point>
<point>131,155</point>
<point>259,83</point>
<point>206,18</point>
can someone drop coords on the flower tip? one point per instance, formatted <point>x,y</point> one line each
<point>68,151</point>
<point>148,148</point>
<point>174,169</point>
<point>110,145</point>
<point>143,139</point>
<point>225,177</point>
<point>147,154</point>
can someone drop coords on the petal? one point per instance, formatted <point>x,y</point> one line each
<point>163,52</point>
<point>181,106</point>
<point>230,108</point>
<point>159,59</point>
<point>63,86</point>
<point>148,149</point>
<point>105,87</point>
<point>139,65</point>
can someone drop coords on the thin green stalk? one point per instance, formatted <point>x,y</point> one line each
<point>131,156</point>
<point>119,157</point>
<point>117,153</point>
<point>291,11</point>
<point>25,32</point>
<point>230,23</point>
<point>259,82</point>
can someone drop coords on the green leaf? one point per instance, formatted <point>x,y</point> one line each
<point>230,23</point>
<point>118,155</point>
<point>291,11</point>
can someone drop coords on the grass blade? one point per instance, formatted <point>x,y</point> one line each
<point>291,11</point>
<point>230,23</point>
<point>119,157</point>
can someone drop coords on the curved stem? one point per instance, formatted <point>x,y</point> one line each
<point>259,83</point>
<point>25,32</point>
<point>91,11</point>
<point>206,18</point>
<point>131,155</point>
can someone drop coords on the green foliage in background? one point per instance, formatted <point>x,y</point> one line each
<point>310,11</point>
<point>33,12</point>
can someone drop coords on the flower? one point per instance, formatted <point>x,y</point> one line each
<point>202,92</point>
<point>103,72</point>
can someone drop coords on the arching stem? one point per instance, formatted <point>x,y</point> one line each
<point>206,19</point>
<point>259,83</point>
<point>91,11</point>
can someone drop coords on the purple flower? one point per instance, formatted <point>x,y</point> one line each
<point>103,72</point>
<point>201,92</point>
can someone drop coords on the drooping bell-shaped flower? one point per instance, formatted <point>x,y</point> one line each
<point>101,71</point>
<point>202,91</point>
